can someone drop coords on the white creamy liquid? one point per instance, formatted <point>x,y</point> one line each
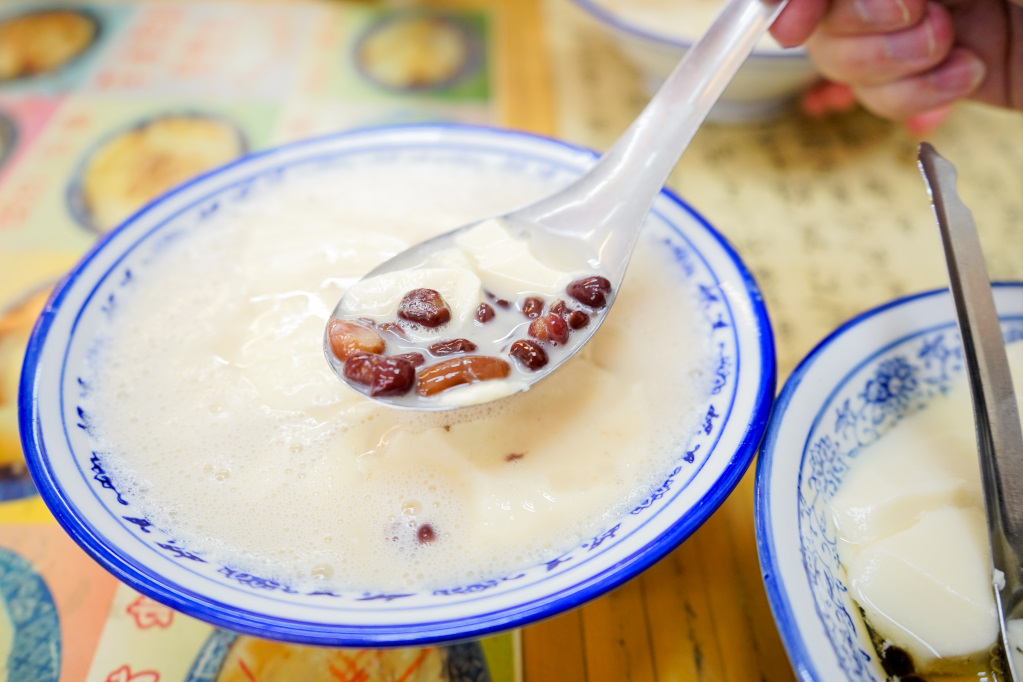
<point>910,522</point>
<point>226,425</point>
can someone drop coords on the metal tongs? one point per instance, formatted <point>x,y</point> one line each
<point>999,438</point>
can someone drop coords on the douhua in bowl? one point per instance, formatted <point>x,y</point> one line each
<point>108,524</point>
<point>764,87</point>
<point>847,393</point>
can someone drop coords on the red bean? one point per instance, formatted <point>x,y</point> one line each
<point>529,353</point>
<point>577,319</point>
<point>549,329</point>
<point>382,375</point>
<point>590,291</point>
<point>453,346</point>
<point>425,534</point>
<point>484,313</point>
<point>532,307</point>
<point>424,307</point>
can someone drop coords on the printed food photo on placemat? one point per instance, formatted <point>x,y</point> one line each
<point>135,165</point>
<point>418,52</point>
<point>427,54</point>
<point>227,657</point>
<point>16,321</point>
<point>42,41</point>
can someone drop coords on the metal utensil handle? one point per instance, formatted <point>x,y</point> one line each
<point>999,436</point>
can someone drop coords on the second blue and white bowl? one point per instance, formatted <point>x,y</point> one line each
<point>846,394</point>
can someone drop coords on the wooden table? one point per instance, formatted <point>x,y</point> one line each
<point>833,218</point>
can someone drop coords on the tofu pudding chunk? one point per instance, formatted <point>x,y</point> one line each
<point>218,417</point>
<point>505,299</point>
<point>912,534</point>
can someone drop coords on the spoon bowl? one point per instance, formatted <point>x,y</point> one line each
<point>602,213</point>
<point>489,339</point>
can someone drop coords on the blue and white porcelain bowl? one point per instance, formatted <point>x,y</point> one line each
<point>109,526</point>
<point>846,394</point>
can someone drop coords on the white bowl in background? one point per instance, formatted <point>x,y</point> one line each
<point>764,87</point>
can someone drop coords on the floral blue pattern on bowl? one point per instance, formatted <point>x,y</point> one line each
<point>68,465</point>
<point>874,370</point>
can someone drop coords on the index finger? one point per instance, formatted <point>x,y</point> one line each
<point>797,21</point>
<point>845,17</point>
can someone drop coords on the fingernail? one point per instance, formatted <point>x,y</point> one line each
<point>887,13</point>
<point>912,44</point>
<point>961,72</point>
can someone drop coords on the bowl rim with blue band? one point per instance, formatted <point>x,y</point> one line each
<point>667,39</point>
<point>876,368</point>
<point>84,499</point>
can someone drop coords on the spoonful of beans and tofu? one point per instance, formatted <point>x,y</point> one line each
<point>488,309</point>
<point>479,308</point>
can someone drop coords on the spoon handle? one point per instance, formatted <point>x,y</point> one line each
<point>619,191</point>
<point>999,437</point>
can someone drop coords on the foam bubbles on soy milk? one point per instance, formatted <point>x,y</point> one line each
<point>224,423</point>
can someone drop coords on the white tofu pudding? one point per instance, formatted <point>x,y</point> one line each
<point>912,536</point>
<point>219,416</point>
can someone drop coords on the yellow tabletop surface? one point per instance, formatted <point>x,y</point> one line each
<point>831,216</point>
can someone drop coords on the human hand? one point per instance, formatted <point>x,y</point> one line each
<point>909,59</point>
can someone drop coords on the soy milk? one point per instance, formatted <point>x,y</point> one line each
<point>226,425</point>
<point>911,534</point>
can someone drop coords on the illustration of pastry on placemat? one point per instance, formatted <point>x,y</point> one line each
<point>133,166</point>
<point>227,657</point>
<point>29,623</point>
<point>44,40</point>
<point>8,138</point>
<point>16,321</point>
<point>418,52</point>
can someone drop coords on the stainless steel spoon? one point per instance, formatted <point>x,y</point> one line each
<point>605,208</point>
<point>999,437</point>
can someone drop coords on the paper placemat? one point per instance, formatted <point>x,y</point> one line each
<point>105,105</point>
